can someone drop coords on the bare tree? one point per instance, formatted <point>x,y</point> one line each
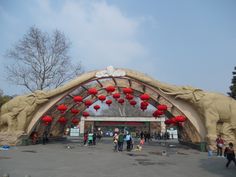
<point>41,61</point>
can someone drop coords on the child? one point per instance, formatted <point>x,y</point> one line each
<point>230,155</point>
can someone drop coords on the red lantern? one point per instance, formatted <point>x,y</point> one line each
<point>121,101</point>
<point>85,114</point>
<point>162,107</point>
<point>47,119</point>
<point>144,97</point>
<point>74,111</point>
<point>62,120</point>
<point>108,102</point>
<point>144,104</point>
<point>92,91</point>
<point>129,97</point>
<point>88,103</point>
<point>102,98</point>
<point>116,96</point>
<point>143,107</point>
<point>110,89</point>
<point>127,90</point>
<point>133,102</point>
<point>62,108</point>
<point>180,118</point>
<point>168,122</point>
<point>75,121</point>
<point>96,107</point>
<point>78,99</point>
<point>157,113</point>
<point>173,120</point>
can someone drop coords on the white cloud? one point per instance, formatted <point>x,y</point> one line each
<point>101,34</point>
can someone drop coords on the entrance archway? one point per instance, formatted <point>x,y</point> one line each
<point>25,120</point>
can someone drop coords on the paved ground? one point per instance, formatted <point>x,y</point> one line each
<point>56,160</point>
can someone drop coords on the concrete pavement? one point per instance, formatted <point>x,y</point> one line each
<point>57,160</point>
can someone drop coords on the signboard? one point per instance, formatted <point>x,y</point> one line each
<point>74,132</point>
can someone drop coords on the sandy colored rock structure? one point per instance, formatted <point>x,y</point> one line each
<point>208,113</point>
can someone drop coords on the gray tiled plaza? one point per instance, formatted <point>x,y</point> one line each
<point>57,160</point>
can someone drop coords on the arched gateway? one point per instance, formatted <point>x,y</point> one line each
<point>208,114</point>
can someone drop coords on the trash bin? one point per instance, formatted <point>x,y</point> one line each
<point>203,146</point>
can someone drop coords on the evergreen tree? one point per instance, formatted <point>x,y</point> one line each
<point>232,88</point>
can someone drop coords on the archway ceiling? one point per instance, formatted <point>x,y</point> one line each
<point>100,84</point>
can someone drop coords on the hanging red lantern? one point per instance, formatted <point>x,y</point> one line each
<point>168,122</point>
<point>110,89</point>
<point>129,97</point>
<point>47,119</point>
<point>127,91</point>
<point>86,114</point>
<point>62,108</point>
<point>74,111</point>
<point>121,101</point>
<point>88,103</point>
<point>108,102</point>
<point>116,96</point>
<point>173,120</point>
<point>96,107</point>
<point>144,104</point>
<point>133,102</point>
<point>162,107</point>
<point>92,91</point>
<point>75,121</point>
<point>78,99</point>
<point>180,118</point>
<point>157,113</point>
<point>62,120</point>
<point>143,107</point>
<point>144,97</point>
<point>102,98</point>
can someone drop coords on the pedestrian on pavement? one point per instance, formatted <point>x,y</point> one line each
<point>90,138</point>
<point>219,145</point>
<point>128,139</point>
<point>120,141</point>
<point>230,155</point>
<point>94,138</point>
<point>115,142</point>
<point>85,138</point>
<point>45,137</point>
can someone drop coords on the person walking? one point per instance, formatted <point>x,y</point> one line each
<point>90,138</point>
<point>128,141</point>
<point>120,141</point>
<point>219,145</point>
<point>45,137</point>
<point>85,138</point>
<point>115,142</point>
<point>94,138</point>
<point>230,155</point>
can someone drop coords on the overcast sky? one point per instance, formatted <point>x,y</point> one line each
<point>181,42</point>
